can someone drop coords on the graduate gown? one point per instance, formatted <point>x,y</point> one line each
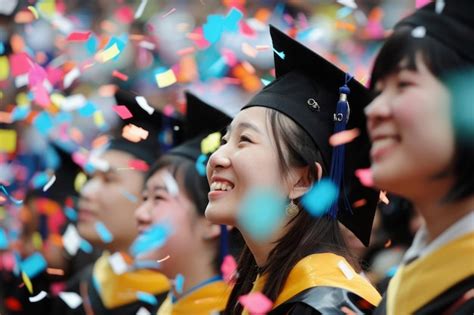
<point>323,284</point>
<point>441,282</point>
<point>109,293</point>
<point>208,298</point>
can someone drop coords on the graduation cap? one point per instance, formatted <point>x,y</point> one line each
<point>201,120</point>
<point>147,149</point>
<point>450,21</point>
<point>315,94</point>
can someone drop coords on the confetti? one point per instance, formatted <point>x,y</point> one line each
<point>365,177</point>
<point>4,190</point>
<point>144,105</point>
<point>418,32</point>
<point>34,11</point>
<point>49,183</point>
<point>139,165</point>
<point>55,271</point>
<point>348,3</point>
<point>261,212</point>
<point>72,299</point>
<point>27,282</point>
<point>228,268</point>
<point>179,283</point>
<point>146,297</point>
<point>43,123</point>
<point>3,239</point>
<point>143,311</point>
<point>319,199</point>
<point>118,264</point>
<point>165,79</point>
<point>420,3</point>
<point>131,197</point>
<point>211,143</point>
<point>153,238</point>
<point>171,184</point>
<point>4,68</point>
<point>248,50</point>
<point>256,303</point>
<point>217,24</point>
<point>280,54</point>
<point>122,111</point>
<point>134,133</point>
<point>383,197</point>
<point>344,137</point>
<point>163,259</point>
<point>120,75</point>
<point>140,9</point>
<point>86,246</point>
<point>200,164</point>
<point>70,77</point>
<point>8,143</point>
<point>109,53</point>
<point>439,7</point>
<point>8,6</point>
<point>33,265</point>
<point>71,240</point>
<point>79,36</point>
<point>38,297</point>
<point>20,64</point>
<point>79,181</point>
<point>103,232</point>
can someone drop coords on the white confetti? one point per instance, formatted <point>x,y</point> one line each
<point>72,299</point>
<point>348,3</point>
<point>118,264</point>
<point>71,76</point>
<point>49,183</point>
<point>143,311</point>
<point>439,7</point>
<point>171,185</point>
<point>140,9</point>
<point>418,32</point>
<point>38,297</point>
<point>144,104</point>
<point>71,240</point>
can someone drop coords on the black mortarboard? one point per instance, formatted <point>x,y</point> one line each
<point>148,149</point>
<point>201,120</point>
<point>451,22</point>
<point>308,90</point>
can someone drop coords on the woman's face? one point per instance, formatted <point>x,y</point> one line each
<point>161,205</point>
<point>111,197</point>
<point>411,133</point>
<point>247,159</point>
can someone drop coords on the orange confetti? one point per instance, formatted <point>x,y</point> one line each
<point>346,26</point>
<point>343,137</point>
<point>120,75</point>
<point>359,203</point>
<point>107,90</point>
<point>100,141</point>
<point>55,271</point>
<point>383,197</point>
<point>134,133</point>
<point>388,243</point>
<point>249,50</point>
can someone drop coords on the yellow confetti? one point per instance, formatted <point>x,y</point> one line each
<point>34,11</point>
<point>8,140</point>
<point>99,118</point>
<point>4,68</point>
<point>79,181</point>
<point>47,7</point>
<point>110,53</point>
<point>211,143</point>
<point>165,79</point>
<point>27,282</point>
<point>37,240</point>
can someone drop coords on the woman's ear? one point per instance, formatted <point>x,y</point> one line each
<point>304,182</point>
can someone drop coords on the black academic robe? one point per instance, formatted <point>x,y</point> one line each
<point>323,284</point>
<point>441,282</point>
<point>105,292</point>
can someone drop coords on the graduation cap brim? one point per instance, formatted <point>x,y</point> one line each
<point>303,79</point>
<point>201,120</point>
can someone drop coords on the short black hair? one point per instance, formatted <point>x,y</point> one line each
<point>442,61</point>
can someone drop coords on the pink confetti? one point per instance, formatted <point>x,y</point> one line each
<point>122,111</point>
<point>20,64</point>
<point>79,158</point>
<point>120,75</point>
<point>168,110</point>
<point>343,137</point>
<point>365,177</point>
<point>247,30</point>
<point>228,268</point>
<point>420,3</point>
<point>41,95</point>
<point>139,165</point>
<point>125,14</point>
<point>229,56</point>
<point>256,303</point>
<point>79,36</point>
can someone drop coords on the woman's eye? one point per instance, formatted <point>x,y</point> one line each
<point>245,139</point>
<point>403,84</point>
<point>144,198</point>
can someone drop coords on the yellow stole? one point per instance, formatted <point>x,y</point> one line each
<point>419,282</point>
<point>202,301</point>
<point>321,270</point>
<point>118,290</point>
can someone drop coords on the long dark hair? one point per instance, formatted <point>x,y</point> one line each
<point>307,234</point>
<point>442,61</point>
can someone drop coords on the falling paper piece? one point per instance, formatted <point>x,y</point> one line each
<point>348,3</point>
<point>139,165</point>
<point>15,201</point>
<point>280,54</point>
<point>383,197</point>
<point>165,79</point>
<point>134,133</point>
<point>261,212</point>
<point>72,299</point>
<point>152,238</point>
<point>201,164</point>
<point>27,282</point>
<point>122,111</point>
<point>20,64</point>
<point>439,7</point>
<point>365,177</point>
<point>71,240</point>
<point>228,268</point>
<point>49,183</point>
<point>140,9</point>
<point>346,270</point>
<point>103,232</point>
<point>33,265</point>
<point>170,183</point>
<point>34,11</point>
<point>418,32</point>
<point>211,143</point>
<point>38,297</point>
<point>179,283</point>
<point>39,180</point>
<point>8,142</point>
<point>319,199</point>
<point>146,297</point>
<point>143,311</point>
<point>71,76</point>
<point>120,75</point>
<point>117,263</point>
<point>344,137</point>
<point>4,68</point>
<point>79,36</point>
<point>86,246</point>
<point>79,181</point>
<point>256,303</point>
<point>43,123</point>
<point>3,239</point>
<point>420,3</point>
<point>144,104</point>
<point>109,53</point>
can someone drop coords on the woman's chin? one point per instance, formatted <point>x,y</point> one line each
<point>218,216</point>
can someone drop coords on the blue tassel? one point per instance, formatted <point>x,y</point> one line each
<point>341,117</point>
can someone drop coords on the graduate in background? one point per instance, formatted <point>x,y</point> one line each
<point>175,193</point>
<point>280,140</point>
<point>417,153</point>
<point>108,199</point>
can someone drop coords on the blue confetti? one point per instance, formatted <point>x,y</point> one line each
<point>4,190</point>
<point>265,82</point>
<point>201,164</point>
<point>130,196</point>
<point>33,265</point>
<point>320,198</point>
<point>280,54</point>
<point>103,232</point>
<point>231,23</point>
<point>70,213</point>
<point>39,180</point>
<point>343,12</point>
<point>261,212</point>
<point>146,297</point>
<point>85,246</point>
<point>43,123</point>
<point>3,239</point>
<point>2,48</point>
<point>20,113</point>
<point>391,271</point>
<point>92,44</point>
<point>179,283</point>
<point>217,24</point>
<point>62,117</point>
<point>151,239</point>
